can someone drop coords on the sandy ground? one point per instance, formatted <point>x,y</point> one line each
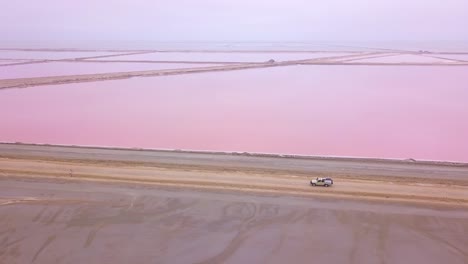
<point>81,222</point>
<point>358,178</point>
<point>90,205</point>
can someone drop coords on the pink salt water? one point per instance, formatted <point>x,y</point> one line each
<point>365,111</point>
<point>230,56</point>
<point>77,68</point>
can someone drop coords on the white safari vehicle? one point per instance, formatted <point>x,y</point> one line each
<point>322,182</point>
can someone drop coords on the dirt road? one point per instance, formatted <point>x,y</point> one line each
<point>357,179</point>
<point>55,221</point>
<point>96,205</point>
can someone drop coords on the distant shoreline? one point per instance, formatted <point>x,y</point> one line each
<point>230,50</point>
<point>255,154</point>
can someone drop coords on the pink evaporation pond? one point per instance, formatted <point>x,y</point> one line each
<point>365,111</point>
<point>9,61</point>
<point>406,58</point>
<point>76,68</point>
<point>462,57</point>
<point>49,55</point>
<point>228,56</point>
<point>246,46</point>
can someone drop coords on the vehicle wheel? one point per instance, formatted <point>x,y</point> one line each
<point>326,185</point>
<point>313,184</point>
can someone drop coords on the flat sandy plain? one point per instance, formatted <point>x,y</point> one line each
<point>97,205</point>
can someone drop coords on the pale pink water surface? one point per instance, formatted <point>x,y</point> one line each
<point>9,61</point>
<point>51,55</point>
<point>406,58</point>
<point>76,68</point>
<point>384,112</point>
<point>228,56</point>
<point>463,57</point>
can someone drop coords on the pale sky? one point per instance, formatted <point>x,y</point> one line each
<point>59,21</point>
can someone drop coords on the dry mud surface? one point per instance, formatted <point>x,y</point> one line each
<point>90,205</point>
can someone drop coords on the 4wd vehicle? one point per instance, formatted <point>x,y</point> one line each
<point>322,182</point>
